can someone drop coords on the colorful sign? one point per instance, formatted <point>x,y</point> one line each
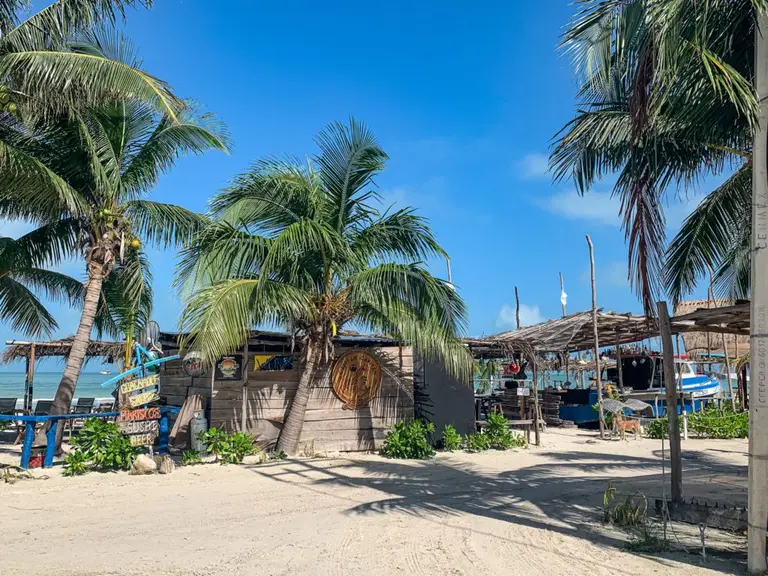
<point>143,427</point>
<point>143,439</point>
<point>272,362</point>
<point>230,367</point>
<point>140,414</point>
<point>193,364</point>
<point>523,391</point>
<point>139,384</point>
<point>143,398</point>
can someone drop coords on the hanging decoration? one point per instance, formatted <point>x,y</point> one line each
<point>356,379</point>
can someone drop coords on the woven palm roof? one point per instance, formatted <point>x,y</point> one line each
<point>575,332</point>
<point>19,349</point>
<point>695,318</point>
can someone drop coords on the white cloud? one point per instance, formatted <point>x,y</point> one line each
<point>594,206</point>
<point>533,166</point>
<point>528,315</point>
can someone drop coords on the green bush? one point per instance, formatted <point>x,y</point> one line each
<point>499,435</point>
<point>409,440</point>
<point>214,439</point>
<point>478,442</point>
<point>75,464</point>
<point>190,457</point>
<point>452,440</point>
<point>710,423</point>
<point>103,445</point>
<point>236,447</point>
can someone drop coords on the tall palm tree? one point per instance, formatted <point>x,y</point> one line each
<point>301,244</point>
<point>666,99</point>
<point>82,178</point>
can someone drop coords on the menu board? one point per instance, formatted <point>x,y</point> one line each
<point>140,424</point>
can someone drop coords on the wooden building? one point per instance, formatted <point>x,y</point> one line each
<point>252,389</point>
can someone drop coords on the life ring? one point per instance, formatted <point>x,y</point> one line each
<point>513,368</point>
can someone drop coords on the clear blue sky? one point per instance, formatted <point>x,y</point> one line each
<point>465,99</point>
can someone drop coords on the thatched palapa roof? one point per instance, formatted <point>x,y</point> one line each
<point>695,318</point>
<point>20,349</point>
<point>575,332</point>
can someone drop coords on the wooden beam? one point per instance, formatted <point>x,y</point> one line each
<point>596,342</point>
<point>671,394</point>
<point>29,379</point>
<point>619,369</point>
<point>537,432</point>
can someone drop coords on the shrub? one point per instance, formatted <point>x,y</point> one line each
<point>190,457</point>
<point>75,464</point>
<point>629,510</point>
<point>478,442</point>
<point>235,447</point>
<point>452,440</point>
<point>101,443</point>
<point>409,440</point>
<point>657,429</point>
<point>214,439</point>
<point>498,433</point>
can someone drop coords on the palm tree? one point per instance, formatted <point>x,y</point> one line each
<point>301,244</point>
<point>43,73</point>
<point>666,99</point>
<point>82,179</point>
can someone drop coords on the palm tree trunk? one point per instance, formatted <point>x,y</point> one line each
<point>289,437</point>
<point>66,390</point>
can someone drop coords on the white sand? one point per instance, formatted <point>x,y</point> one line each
<point>514,513</point>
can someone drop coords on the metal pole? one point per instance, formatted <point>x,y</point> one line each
<point>758,332</point>
<point>668,374</point>
<point>597,343</point>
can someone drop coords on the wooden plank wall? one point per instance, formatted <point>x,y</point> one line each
<point>328,426</point>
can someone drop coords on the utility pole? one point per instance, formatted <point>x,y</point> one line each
<point>597,344</point>
<point>563,301</point>
<point>758,332</point>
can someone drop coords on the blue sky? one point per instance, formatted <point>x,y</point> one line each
<point>465,102</point>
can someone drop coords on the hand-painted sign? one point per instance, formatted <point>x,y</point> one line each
<point>229,367</point>
<point>143,427</point>
<point>523,391</point>
<point>139,384</point>
<point>193,364</point>
<point>356,379</point>
<point>140,414</point>
<point>142,439</point>
<point>143,398</point>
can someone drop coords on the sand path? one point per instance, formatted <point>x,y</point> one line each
<point>514,513</point>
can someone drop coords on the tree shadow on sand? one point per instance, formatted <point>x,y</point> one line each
<point>563,497</point>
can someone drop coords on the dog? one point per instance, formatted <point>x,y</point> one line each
<point>624,425</point>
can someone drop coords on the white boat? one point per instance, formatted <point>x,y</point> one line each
<point>724,377</point>
<point>643,373</point>
<point>698,385</point>
<point>106,371</point>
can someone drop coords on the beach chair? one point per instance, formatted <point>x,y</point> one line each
<point>42,407</point>
<point>8,407</point>
<point>82,406</point>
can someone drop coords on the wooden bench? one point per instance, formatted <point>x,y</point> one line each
<point>526,425</point>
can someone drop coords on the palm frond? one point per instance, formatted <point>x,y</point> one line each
<point>23,310</point>
<point>163,224</point>
<point>709,234</point>
<point>349,159</point>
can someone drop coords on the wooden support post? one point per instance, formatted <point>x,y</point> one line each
<point>757,484</point>
<point>535,392</point>
<point>29,379</point>
<point>26,450</point>
<point>671,395</point>
<point>619,369</point>
<point>597,343</point>
<point>50,443</point>
<point>567,366</point>
<point>244,415</point>
<point>728,372</point>
<point>517,310</point>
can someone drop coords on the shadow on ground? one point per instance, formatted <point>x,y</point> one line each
<point>564,496</point>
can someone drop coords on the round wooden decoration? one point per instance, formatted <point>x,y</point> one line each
<point>356,379</point>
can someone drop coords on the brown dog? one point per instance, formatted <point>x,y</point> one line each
<point>624,425</point>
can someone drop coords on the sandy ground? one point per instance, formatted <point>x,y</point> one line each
<point>516,513</point>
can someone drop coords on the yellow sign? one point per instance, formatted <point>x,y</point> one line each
<point>139,384</point>
<point>143,439</point>
<point>143,398</point>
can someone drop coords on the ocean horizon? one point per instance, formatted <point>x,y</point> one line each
<point>46,383</point>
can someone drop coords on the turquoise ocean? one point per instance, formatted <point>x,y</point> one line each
<point>45,384</point>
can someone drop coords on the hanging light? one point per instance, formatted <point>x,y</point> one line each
<point>634,363</point>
